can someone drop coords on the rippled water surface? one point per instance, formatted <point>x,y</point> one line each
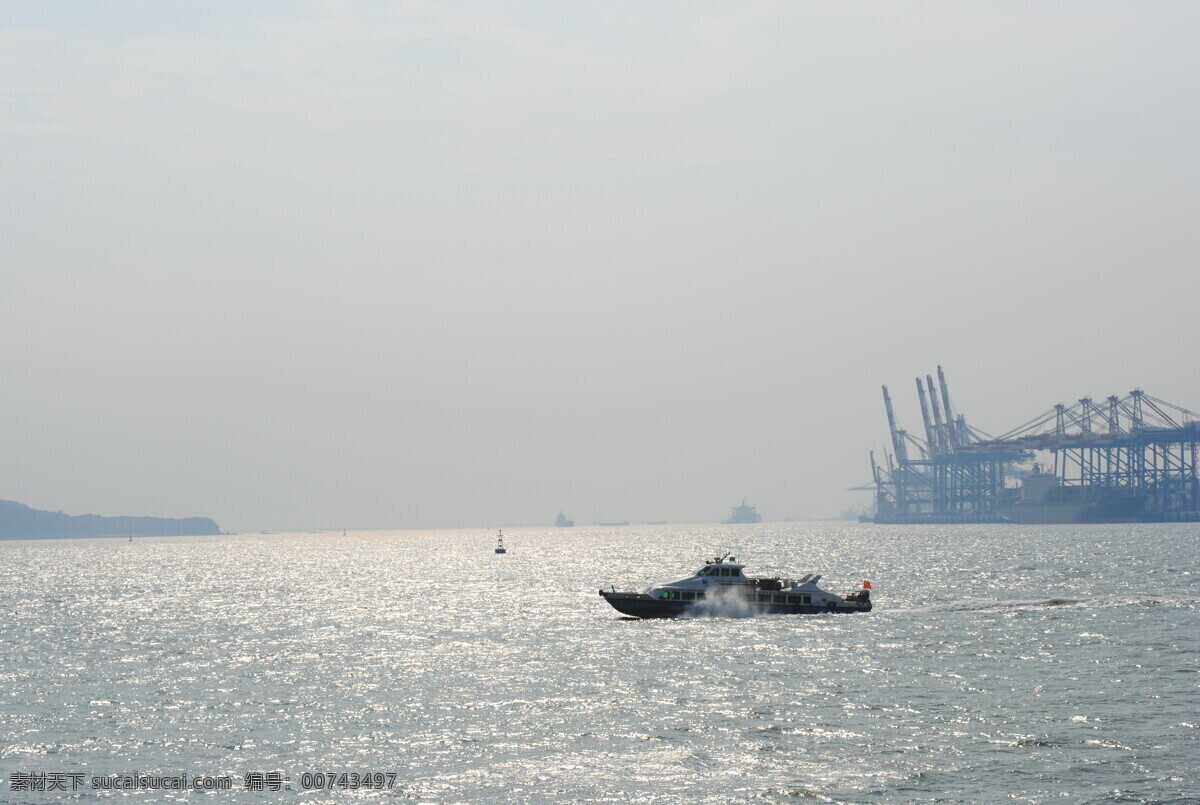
<point>1021,663</point>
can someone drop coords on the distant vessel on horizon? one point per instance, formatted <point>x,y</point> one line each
<point>563,522</point>
<point>743,514</point>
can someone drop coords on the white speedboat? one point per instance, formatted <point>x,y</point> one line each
<point>721,588</point>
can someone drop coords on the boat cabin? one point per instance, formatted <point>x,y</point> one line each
<point>722,570</point>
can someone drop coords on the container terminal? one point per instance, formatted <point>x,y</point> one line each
<point>1126,459</point>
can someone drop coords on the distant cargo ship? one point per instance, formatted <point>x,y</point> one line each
<point>563,522</point>
<point>1118,510</point>
<point>1042,499</point>
<point>743,514</point>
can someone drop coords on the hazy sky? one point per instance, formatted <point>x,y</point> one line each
<point>405,264</point>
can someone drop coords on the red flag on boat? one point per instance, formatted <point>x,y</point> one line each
<point>866,585</point>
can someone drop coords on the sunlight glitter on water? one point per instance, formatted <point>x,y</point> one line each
<point>1054,662</point>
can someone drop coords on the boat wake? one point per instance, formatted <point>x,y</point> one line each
<point>986,605</point>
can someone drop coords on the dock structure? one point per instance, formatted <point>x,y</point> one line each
<point>1128,459</point>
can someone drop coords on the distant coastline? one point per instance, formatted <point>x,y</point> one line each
<point>18,521</point>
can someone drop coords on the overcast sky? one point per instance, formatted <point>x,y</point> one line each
<point>408,264</point>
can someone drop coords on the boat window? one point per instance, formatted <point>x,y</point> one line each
<point>735,572</point>
<point>725,571</point>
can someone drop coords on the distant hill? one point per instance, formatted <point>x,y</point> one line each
<point>18,521</point>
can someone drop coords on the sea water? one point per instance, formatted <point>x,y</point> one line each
<point>1001,663</point>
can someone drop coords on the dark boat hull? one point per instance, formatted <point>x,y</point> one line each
<point>641,605</point>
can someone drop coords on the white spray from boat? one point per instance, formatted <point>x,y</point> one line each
<point>722,602</point>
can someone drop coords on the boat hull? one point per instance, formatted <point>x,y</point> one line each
<point>641,605</point>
